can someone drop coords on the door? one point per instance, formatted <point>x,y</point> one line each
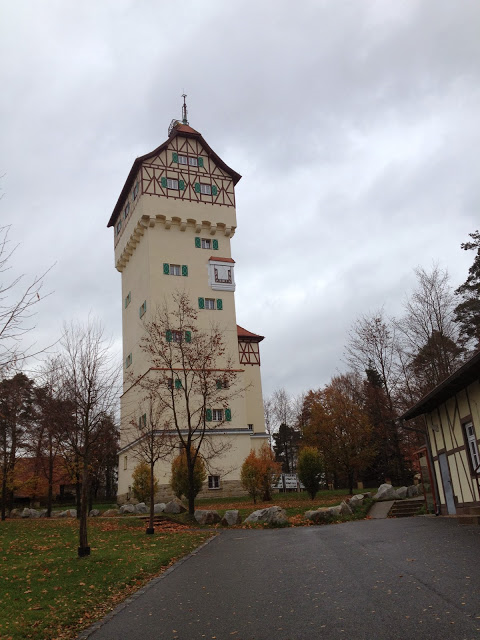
<point>447,484</point>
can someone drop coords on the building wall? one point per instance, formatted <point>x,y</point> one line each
<point>447,436</point>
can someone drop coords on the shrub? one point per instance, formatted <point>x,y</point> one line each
<point>141,482</point>
<point>179,479</point>
<point>310,470</point>
<point>259,471</point>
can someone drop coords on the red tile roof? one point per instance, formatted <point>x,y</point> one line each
<point>243,334</point>
<point>222,259</point>
<point>184,128</point>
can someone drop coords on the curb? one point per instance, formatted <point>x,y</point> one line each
<point>86,633</point>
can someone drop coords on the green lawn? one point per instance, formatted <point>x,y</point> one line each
<point>47,592</point>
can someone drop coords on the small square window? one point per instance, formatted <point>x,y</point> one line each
<point>172,184</point>
<point>214,482</point>
<point>170,383</point>
<point>128,299</point>
<point>250,427</point>
<point>209,303</point>
<point>206,189</point>
<point>125,462</point>
<point>135,190</point>
<point>193,162</point>
<point>126,211</point>
<point>182,160</point>
<point>217,415</point>
<point>222,384</point>
<point>177,336</point>
<point>175,270</point>
<point>206,243</point>
<point>128,361</point>
<point>119,226</point>
<point>143,309</point>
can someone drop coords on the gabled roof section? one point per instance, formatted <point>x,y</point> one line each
<point>458,380</point>
<point>179,129</point>
<point>248,336</point>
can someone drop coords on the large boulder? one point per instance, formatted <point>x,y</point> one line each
<point>42,513</point>
<point>319,516</point>
<point>413,491</point>
<point>174,506</point>
<point>356,501</point>
<point>94,513</point>
<point>71,513</point>
<point>127,508</point>
<point>206,516</point>
<point>26,513</point>
<point>231,518</point>
<point>141,507</point>
<point>402,492</point>
<point>385,492</point>
<point>272,515</point>
<point>159,507</point>
<point>15,513</point>
<point>111,513</point>
<point>345,510</point>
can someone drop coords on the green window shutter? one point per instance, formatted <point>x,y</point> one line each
<point>163,182</point>
<point>219,304</point>
<point>209,415</point>
<point>228,415</point>
<point>181,185</point>
<point>219,384</point>
<point>197,187</point>
<point>166,268</point>
<point>201,303</point>
<point>175,157</point>
<point>178,383</point>
<point>184,270</point>
<point>215,244</point>
<point>169,335</point>
<point>200,162</point>
<point>188,336</point>
<point>198,243</point>
<point>214,190</point>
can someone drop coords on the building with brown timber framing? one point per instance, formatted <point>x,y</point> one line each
<point>452,419</point>
<point>173,224</point>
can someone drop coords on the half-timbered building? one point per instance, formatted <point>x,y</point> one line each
<point>452,418</point>
<point>173,224</point>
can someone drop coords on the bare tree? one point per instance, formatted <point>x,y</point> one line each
<point>191,381</point>
<point>89,382</point>
<point>17,307</point>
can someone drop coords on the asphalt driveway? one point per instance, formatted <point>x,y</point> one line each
<point>411,578</point>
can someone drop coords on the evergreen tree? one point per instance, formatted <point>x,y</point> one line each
<point>467,312</point>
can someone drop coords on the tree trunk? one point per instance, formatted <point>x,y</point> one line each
<point>151,528</point>
<point>83,548</point>
<point>4,493</point>
<point>78,495</point>
<point>191,497</point>
<point>50,481</point>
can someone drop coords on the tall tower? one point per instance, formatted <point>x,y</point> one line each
<point>173,223</point>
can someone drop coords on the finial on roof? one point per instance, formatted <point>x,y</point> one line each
<point>184,109</point>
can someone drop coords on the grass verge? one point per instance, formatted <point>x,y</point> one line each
<point>47,592</point>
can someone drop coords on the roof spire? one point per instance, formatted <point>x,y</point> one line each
<point>184,109</point>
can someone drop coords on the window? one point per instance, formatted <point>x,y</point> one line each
<point>125,462</point>
<point>142,421</point>
<point>172,184</point>
<point>128,361</point>
<point>206,243</point>
<point>206,189</point>
<point>472,446</point>
<point>177,336</point>
<point>128,299</point>
<point>250,426</point>
<point>119,226</point>
<point>135,190</point>
<point>126,211</point>
<point>174,270</point>
<point>193,162</point>
<point>143,309</point>
<point>222,274</point>
<point>210,303</point>
<point>222,384</point>
<point>170,383</point>
<point>217,415</point>
<point>182,160</point>
<point>214,482</point>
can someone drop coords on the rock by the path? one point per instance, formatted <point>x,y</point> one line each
<point>15,513</point>
<point>385,492</point>
<point>345,510</point>
<point>317,516</point>
<point>206,516</point>
<point>42,513</point>
<point>356,501</point>
<point>94,512</point>
<point>27,513</point>
<point>159,507</point>
<point>231,518</point>
<point>402,492</point>
<point>127,508</point>
<point>141,507</point>
<point>271,515</point>
<point>413,491</point>
<point>110,513</point>
<point>71,513</point>
<point>174,506</point>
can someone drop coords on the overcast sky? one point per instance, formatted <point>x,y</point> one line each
<point>355,126</point>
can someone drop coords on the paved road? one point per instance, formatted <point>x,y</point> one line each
<point>411,578</point>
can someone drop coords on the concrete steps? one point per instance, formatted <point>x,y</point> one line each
<point>406,508</point>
